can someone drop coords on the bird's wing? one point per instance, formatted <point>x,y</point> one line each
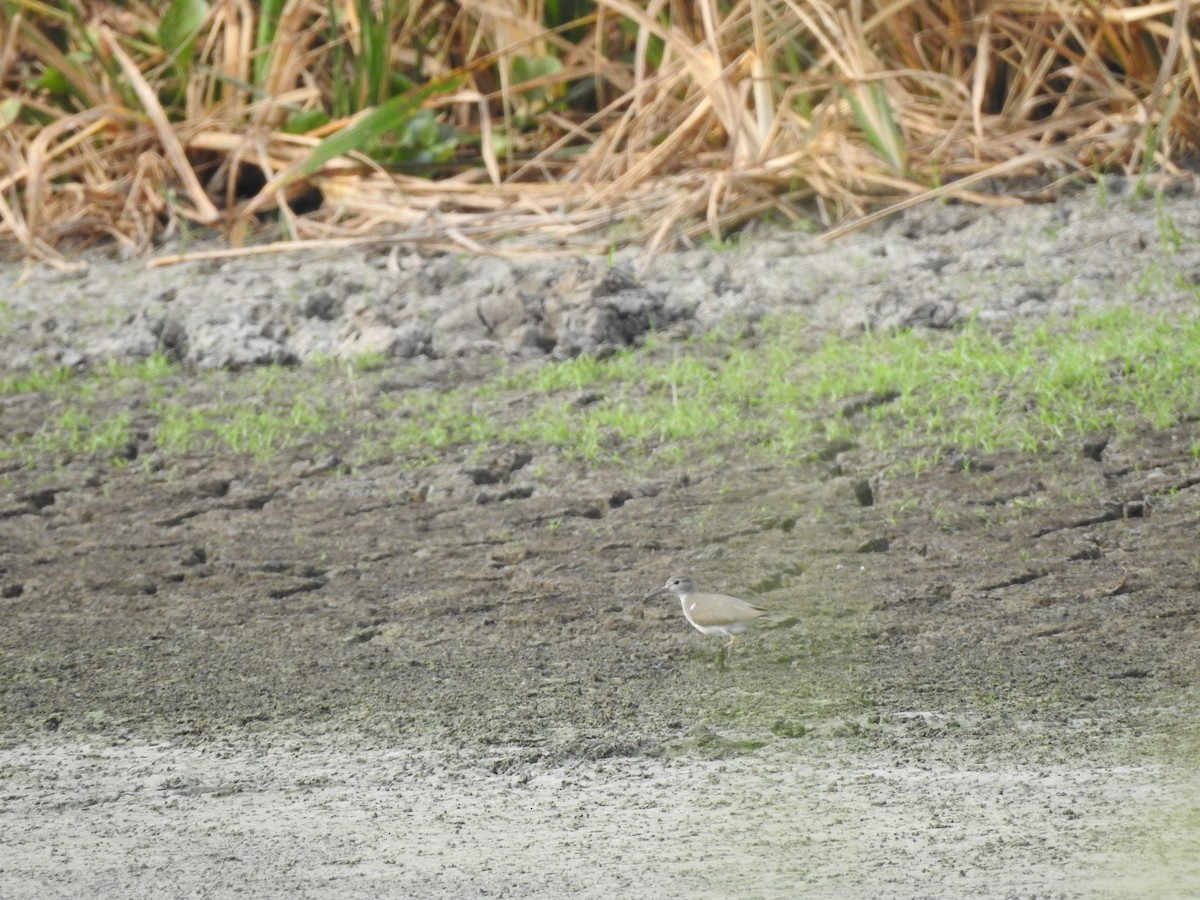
<point>717,609</point>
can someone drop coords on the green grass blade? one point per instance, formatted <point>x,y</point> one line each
<point>268,21</point>
<point>371,126</point>
<point>873,113</point>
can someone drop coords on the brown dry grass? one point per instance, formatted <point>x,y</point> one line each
<point>661,122</point>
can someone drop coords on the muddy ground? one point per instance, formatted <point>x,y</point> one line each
<point>222,676</point>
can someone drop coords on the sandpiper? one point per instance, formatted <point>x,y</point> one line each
<point>711,613</point>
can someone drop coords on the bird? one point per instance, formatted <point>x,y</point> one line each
<point>712,613</point>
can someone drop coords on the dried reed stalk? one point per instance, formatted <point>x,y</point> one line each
<point>654,122</point>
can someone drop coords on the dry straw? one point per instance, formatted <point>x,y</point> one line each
<point>513,125</point>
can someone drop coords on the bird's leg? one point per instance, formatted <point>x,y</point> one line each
<point>723,654</point>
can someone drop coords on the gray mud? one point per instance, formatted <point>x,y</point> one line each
<point>438,678</point>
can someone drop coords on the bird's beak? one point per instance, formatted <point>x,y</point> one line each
<point>661,590</point>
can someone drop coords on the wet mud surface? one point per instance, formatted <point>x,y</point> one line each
<point>301,678</point>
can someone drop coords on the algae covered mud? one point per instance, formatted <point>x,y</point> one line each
<point>371,624</point>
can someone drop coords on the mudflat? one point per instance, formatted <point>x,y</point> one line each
<point>340,671</point>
